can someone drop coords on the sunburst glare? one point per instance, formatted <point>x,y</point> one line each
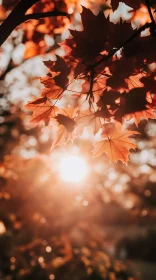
<point>73,169</point>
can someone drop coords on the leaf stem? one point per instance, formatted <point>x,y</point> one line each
<point>90,93</point>
<point>37,16</point>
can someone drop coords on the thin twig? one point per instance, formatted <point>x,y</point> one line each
<point>150,12</point>
<point>90,93</point>
<point>153,25</point>
<point>37,16</point>
<point>114,50</point>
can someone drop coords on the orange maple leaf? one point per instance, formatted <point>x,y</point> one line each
<point>99,86</point>
<point>56,80</point>
<point>88,118</point>
<point>145,114</point>
<point>51,90</point>
<point>42,110</point>
<point>65,126</point>
<point>115,144</point>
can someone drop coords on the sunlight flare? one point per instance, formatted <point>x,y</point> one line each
<point>73,169</point>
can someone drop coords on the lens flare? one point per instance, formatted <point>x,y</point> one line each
<point>73,169</point>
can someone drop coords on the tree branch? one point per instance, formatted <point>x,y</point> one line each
<point>113,51</point>
<point>153,26</point>
<point>37,16</point>
<point>14,19</point>
<point>17,16</point>
<point>149,10</point>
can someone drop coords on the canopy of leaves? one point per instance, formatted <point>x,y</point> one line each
<point>111,62</point>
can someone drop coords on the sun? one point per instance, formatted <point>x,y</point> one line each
<point>73,169</point>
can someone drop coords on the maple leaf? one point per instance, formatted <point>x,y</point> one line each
<point>99,85</point>
<point>109,98</point>
<point>115,144</point>
<point>56,80</point>
<point>119,33</point>
<point>142,48</point>
<point>131,102</point>
<point>65,126</point>
<point>88,118</point>
<point>135,104</point>
<point>51,90</point>
<point>121,70</point>
<point>149,82</point>
<point>145,114</point>
<point>42,110</point>
<point>58,66</point>
<point>87,44</point>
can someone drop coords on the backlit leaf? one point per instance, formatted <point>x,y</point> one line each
<point>115,144</point>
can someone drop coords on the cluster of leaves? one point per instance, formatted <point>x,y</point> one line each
<point>111,62</point>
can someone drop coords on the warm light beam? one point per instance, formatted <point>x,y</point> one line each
<point>73,169</point>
